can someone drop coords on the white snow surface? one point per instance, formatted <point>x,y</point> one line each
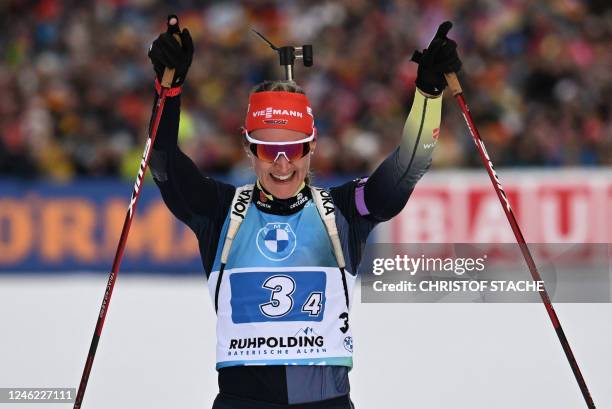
<point>158,346</point>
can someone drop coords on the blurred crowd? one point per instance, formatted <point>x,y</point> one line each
<point>77,86</point>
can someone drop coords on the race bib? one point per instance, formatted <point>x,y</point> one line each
<point>277,296</point>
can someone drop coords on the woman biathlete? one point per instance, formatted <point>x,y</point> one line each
<point>281,256</point>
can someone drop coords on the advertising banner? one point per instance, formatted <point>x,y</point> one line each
<point>48,227</point>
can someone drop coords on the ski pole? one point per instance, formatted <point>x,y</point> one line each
<point>455,87</point>
<point>166,83</point>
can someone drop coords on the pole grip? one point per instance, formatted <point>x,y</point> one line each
<point>168,76</point>
<point>453,83</point>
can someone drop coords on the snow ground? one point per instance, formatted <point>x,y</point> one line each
<point>157,348</point>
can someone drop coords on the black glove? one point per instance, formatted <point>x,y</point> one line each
<point>167,52</point>
<point>439,58</point>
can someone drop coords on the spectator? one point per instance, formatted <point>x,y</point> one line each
<point>77,85</point>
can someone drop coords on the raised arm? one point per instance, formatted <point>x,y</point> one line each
<point>190,196</point>
<point>194,199</point>
<point>386,192</point>
<point>366,202</point>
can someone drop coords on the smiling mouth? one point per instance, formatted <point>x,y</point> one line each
<point>282,178</point>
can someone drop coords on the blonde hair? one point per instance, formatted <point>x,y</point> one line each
<point>280,85</point>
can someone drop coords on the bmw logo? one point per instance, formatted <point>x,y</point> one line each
<point>348,344</point>
<point>276,241</point>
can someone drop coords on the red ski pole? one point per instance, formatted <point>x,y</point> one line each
<point>166,83</point>
<point>455,88</point>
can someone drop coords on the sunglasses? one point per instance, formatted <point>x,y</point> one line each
<point>270,153</point>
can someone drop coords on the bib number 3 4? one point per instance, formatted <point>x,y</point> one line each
<point>281,302</point>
